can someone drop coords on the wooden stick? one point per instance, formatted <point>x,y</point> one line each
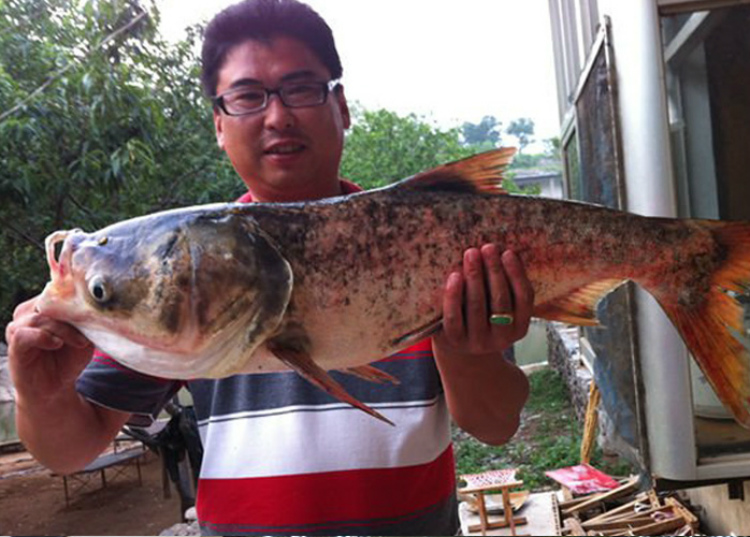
<point>590,423</point>
<point>573,527</point>
<point>615,524</point>
<point>683,511</point>
<point>627,488</point>
<point>640,499</point>
<point>627,516</point>
<point>664,526</point>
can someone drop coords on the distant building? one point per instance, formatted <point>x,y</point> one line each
<point>551,184</point>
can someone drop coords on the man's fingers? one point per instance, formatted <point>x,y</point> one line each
<point>27,338</point>
<point>477,314</point>
<point>500,298</point>
<point>523,292</point>
<point>453,295</point>
<point>68,334</point>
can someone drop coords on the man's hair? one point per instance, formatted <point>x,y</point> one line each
<point>263,20</point>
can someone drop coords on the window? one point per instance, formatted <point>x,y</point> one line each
<point>707,56</point>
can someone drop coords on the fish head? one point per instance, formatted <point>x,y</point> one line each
<point>170,294</point>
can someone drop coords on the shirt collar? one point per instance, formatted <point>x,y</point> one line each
<point>347,187</point>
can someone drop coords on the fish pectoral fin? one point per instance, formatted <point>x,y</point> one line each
<point>579,306</point>
<point>415,336</point>
<point>479,173</point>
<point>371,373</point>
<point>303,364</point>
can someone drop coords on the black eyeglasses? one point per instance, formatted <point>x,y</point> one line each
<point>251,99</point>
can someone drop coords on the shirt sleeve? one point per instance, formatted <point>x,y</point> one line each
<point>110,384</point>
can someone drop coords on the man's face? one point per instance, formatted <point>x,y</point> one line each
<point>281,153</point>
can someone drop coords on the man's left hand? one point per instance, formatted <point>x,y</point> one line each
<point>490,282</point>
<point>485,392</point>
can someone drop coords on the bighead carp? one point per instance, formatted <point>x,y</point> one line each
<point>339,283</point>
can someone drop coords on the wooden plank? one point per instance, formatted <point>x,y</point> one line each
<point>662,527</point>
<point>625,489</point>
<point>686,513</point>
<point>573,527</point>
<point>624,523</point>
<point>565,504</point>
<point>642,513</point>
<point>640,499</point>
<point>485,488</point>
<point>518,521</point>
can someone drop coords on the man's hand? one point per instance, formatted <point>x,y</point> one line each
<point>60,428</point>
<point>490,283</point>
<point>45,356</point>
<point>485,393</point>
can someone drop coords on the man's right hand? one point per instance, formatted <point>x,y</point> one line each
<point>45,356</point>
<point>60,428</point>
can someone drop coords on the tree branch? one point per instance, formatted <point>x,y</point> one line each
<point>28,238</point>
<point>65,69</point>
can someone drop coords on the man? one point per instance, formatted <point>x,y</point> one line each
<point>279,455</point>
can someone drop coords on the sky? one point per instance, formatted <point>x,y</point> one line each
<point>448,61</point>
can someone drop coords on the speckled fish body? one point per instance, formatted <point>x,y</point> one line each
<point>339,283</point>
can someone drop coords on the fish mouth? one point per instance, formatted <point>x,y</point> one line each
<point>59,267</point>
<point>56,298</point>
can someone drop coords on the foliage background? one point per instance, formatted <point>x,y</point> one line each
<point>101,119</point>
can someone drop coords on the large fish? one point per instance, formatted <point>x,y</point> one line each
<point>216,290</point>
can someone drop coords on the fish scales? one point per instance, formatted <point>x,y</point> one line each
<point>343,282</point>
<point>392,252</point>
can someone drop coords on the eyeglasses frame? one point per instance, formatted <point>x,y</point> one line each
<point>328,87</point>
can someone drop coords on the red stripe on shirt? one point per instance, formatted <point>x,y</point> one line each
<point>326,499</point>
<point>418,350</point>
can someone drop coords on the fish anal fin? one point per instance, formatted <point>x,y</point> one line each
<point>418,334</point>
<point>371,373</point>
<point>301,362</point>
<point>579,306</point>
<point>479,173</point>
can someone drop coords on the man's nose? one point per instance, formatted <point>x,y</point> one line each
<point>278,116</point>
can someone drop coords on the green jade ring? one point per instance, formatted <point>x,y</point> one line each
<point>501,319</point>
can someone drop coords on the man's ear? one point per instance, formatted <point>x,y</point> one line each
<point>343,106</point>
<point>219,128</point>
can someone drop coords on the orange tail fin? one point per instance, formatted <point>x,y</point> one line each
<point>711,329</point>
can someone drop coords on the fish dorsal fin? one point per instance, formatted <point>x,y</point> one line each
<point>479,173</point>
<point>579,306</point>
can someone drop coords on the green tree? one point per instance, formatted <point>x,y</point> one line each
<point>383,147</point>
<point>523,129</point>
<point>101,120</point>
<point>483,135</point>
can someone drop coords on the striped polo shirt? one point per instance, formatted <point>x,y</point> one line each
<point>283,457</point>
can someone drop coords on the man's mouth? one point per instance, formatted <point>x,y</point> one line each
<point>285,149</point>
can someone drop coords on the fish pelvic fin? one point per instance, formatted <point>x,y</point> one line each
<point>371,374</point>
<point>579,306</point>
<point>301,362</point>
<point>482,173</point>
<point>712,328</point>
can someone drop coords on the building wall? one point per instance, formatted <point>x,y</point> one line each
<point>719,514</point>
<point>650,186</point>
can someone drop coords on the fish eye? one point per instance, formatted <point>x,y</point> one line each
<point>99,290</point>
